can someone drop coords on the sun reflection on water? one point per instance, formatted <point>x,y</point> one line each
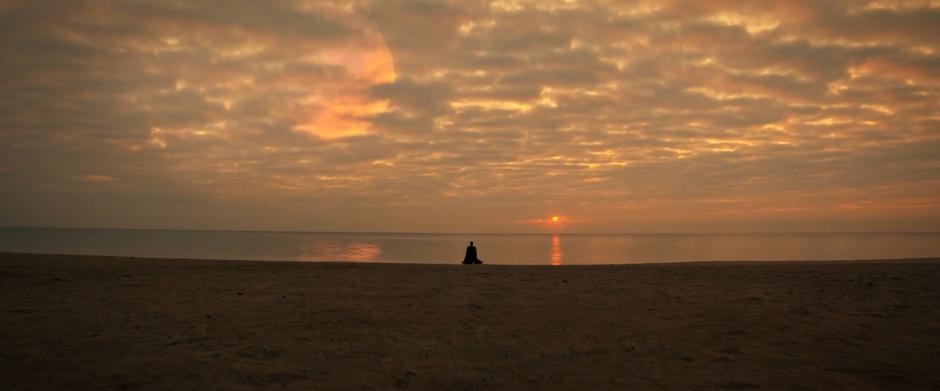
<point>349,252</point>
<point>556,250</point>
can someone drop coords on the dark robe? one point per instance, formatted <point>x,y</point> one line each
<point>471,257</point>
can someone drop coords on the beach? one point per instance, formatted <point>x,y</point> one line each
<point>87,322</point>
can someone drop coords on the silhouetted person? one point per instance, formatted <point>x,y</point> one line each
<point>471,257</point>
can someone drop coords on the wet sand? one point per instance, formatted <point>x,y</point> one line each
<point>103,323</point>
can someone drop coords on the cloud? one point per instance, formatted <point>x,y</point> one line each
<point>366,115</point>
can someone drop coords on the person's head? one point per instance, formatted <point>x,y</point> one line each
<point>471,243</point>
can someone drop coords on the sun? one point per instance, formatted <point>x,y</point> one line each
<point>556,219</point>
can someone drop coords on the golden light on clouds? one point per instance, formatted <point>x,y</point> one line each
<point>346,105</point>
<point>410,115</point>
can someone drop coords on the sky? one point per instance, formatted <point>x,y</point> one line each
<point>471,116</point>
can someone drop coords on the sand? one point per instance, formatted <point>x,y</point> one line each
<point>121,323</point>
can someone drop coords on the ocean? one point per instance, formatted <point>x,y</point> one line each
<point>527,249</point>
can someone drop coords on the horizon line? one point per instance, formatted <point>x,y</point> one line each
<point>461,233</point>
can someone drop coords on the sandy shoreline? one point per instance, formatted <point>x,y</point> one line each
<point>108,322</point>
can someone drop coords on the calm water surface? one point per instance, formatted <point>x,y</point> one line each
<point>533,249</point>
